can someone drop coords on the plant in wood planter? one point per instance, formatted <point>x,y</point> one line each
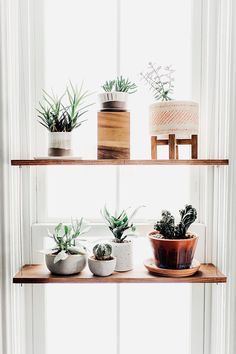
<point>68,256</point>
<point>168,116</point>
<point>60,116</point>
<point>121,227</point>
<point>174,245</point>
<point>116,94</point>
<point>102,263</point>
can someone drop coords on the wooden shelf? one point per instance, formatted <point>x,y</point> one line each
<point>53,162</point>
<point>39,274</point>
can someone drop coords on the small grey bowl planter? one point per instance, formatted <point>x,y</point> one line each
<point>73,264</point>
<point>124,255</point>
<point>102,268</point>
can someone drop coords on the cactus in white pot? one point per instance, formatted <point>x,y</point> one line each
<point>121,227</point>
<point>102,263</point>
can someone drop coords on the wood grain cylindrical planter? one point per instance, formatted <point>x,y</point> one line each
<point>173,254</point>
<point>173,117</point>
<point>73,264</point>
<point>113,135</point>
<point>60,144</point>
<point>123,251</point>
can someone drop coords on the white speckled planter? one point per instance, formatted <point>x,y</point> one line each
<point>101,268</point>
<point>124,255</point>
<point>73,264</point>
<point>173,117</point>
<point>60,144</point>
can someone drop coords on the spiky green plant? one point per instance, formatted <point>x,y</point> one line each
<point>63,114</point>
<point>120,84</point>
<point>119,225</point>
<point>102,251</point>
<point>160,80</point>
<point>66,238</point>
<point>167,228</point>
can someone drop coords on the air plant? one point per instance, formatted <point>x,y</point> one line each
<point>121,224</point>
<point>62,114</point>
<point>66,238</point>
<point>120,84</point>
<point>167,228</point>
<point>160,80</point>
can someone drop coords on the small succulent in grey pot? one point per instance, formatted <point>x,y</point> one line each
<point>68,256</point>
<point>102,263</point>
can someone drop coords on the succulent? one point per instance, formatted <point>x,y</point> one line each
<point>160,80</point>
<point>66,240</point>
<point>59,116</point>
<point>120,224</point>
<point>120,84</point>
<point>102,251</point>
<point>167,228</point>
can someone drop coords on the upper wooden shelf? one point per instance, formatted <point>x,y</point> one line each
<point>52,162</point>
<point>39,274</point>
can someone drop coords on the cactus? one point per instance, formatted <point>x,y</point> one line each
<point>102,251</point>
<point>166,226</point>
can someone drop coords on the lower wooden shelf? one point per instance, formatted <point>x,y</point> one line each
<point>39,274</point>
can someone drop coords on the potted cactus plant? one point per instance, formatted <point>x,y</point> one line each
<point>121,227</point>
<point>116,94</point>
<point>68,256</point>
<point>60,116</point>
<point>174,245</point>
<point>102,263</point>
<point>166,115</point>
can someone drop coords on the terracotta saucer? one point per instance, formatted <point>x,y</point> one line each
<point>174,273</point>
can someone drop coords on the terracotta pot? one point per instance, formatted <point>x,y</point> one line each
<point>60,144</point>
<point>173,254</point>
<point>173,117</point>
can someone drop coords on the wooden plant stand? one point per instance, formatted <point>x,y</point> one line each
<point>173,146</point>
<point>113,135</point>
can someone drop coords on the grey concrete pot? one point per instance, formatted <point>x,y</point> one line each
<point>124,255</point>
<point>73,264</point>
<point>101,268</point>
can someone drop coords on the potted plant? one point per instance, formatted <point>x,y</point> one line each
<point>121,227</point>
<point>102,263</point>
<point>174,245</point>
<point>116,94</point>
<point>68,256</point>
<point>60,116</point>
<point>168,116</point>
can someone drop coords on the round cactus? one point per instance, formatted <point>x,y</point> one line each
<point>102,251</point>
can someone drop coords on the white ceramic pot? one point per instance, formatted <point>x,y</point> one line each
<point>113,101</point>
<point>173,117</point>
<point>124,255</point>
<point>73,264</point>
<point>100,267</point>
<point>60,144</point>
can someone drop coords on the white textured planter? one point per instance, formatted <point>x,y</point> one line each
<point>73,264</point>
<point>101,268</point>
<point>113,100</point>
<point>173,117</point>
<point>60,144</point>
<point>124,255</point>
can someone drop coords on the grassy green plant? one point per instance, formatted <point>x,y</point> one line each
<point>66,238</point>
<point>160,80</point>
<point>120,84</point>
<point>167,228</point>
<point>102,251</point>
<point>63,114</point>
<point>121,224</point>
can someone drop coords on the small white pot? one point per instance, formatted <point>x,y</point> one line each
<point>173,117</point>
<point>73,264</point>
<point>124,255</point>
<point>113,100</point>
<point>101,268</point>
<point>60,144</point>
